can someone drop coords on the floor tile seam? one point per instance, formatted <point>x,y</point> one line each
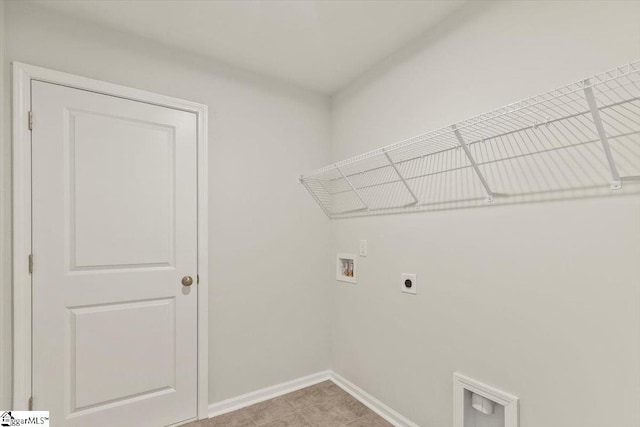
<point>326,398</point>
<point>353,420</point>
<point>293,411</point>
<point>306,419</point>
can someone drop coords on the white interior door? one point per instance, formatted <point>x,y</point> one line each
<point>114,232</point>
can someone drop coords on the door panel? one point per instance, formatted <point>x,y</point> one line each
<point>145,364</point>
<point>124,215</point>
<point>114,231</point>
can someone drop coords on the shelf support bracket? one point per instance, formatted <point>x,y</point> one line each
<point>353,188</point>
<point>616,182</point>
<point>313,194</point>
<point>473,163</point>
<point>395,168</point>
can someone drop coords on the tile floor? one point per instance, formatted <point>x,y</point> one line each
<point>321,405</point>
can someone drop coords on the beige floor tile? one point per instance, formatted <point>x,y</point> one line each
<point>334,412</point>
<point>313,395</point>
<point>346,402</point>
<point>293,420</point>
<point>321,405</point>
<point>370,420</point>
<point>330,388</point>
<point>240,418</point>
<point>270,410</point>
<point>322,416</point>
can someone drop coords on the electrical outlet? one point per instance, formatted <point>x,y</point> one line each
<point>409,283</point>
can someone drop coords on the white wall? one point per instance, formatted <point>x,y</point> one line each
<point>556,284</point>
<point>268,241</point>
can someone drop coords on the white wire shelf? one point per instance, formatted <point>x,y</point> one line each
<point>574,141</point>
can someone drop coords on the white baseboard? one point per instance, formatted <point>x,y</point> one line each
<point>267,393</point>
<point>371,402</point>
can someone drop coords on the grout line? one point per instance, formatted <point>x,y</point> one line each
<point>306,419</point>
<point>271,421</point>
<point>355,419</point>
<point>359,418</point>
<point>292,408</point>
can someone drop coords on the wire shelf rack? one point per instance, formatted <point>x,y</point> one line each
<point>574,141</point>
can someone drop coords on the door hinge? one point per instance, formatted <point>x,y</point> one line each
<point>197,279</point>
<point>30,120</point>
<point>31,403</point>
<point>30,263</point>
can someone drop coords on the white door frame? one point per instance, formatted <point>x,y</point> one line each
<point>23,74</point>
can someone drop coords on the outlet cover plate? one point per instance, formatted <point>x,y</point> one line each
<point>363,248</point>
<point>413,289</point>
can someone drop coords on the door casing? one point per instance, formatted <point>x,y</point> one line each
<point>23,74</point>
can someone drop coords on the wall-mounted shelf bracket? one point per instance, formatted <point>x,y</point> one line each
<point>315,197</point>
<point>616,183</point>
<point>366,205</point>
<point>404,181</point>
<point>473,163</point>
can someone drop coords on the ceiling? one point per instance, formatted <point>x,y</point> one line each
<point>319,45</point>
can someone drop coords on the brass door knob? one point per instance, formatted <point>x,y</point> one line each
<point>187,280</point>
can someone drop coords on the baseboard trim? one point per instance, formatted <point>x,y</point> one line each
<point>239,402</point>
<point>371,402</point>
<point>266,393</point>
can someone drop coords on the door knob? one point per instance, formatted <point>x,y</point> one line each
<point>187,280</point>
